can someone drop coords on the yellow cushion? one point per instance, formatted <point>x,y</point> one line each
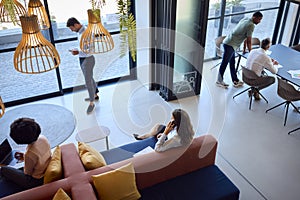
<point>90,158</point>
<point>117,184</point>
<point>61,195</point>
<point>54,170</point>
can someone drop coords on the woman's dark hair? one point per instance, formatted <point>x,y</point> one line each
<point>184,126</point>
<point>24,131</point>
<point>265,43</point>
<point>72,21</point>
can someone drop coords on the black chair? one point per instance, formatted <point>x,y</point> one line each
<point>249,78</point>
<point>296,47</point>
<point>289,93</point>
<point>294,130</point>
<point>255,44</point>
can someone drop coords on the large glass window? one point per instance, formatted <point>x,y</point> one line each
<point>109,66</point>
<point>221,22</point>
<point>15,85</point>
<point>78,9</point>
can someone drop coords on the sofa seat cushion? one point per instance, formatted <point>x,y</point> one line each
<point>127,151</point>
<point>208,183</point>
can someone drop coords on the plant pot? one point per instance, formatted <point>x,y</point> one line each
<point>236,18</point>
<point>226,19</point>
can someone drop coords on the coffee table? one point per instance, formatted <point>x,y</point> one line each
<point>93,134</point>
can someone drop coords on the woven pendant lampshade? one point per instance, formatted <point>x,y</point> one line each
<point>2,108</point>
<point>18,10</point>
<point>95,39</point>
<point>35,7</point>
<point>34,54</point>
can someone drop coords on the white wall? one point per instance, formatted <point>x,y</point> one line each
<point>288,29</point>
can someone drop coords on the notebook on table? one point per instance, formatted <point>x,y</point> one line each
<point>7,155</point>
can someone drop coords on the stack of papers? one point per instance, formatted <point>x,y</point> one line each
<point>294,73</point>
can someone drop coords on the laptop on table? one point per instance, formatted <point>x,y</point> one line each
<point>7,154</point>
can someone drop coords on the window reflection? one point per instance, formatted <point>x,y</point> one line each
<point>233,14</point>
<point>59,16</point>
<point>15,85</point>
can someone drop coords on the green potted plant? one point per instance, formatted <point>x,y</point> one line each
<point>127,25</point>
<point>127,28</point>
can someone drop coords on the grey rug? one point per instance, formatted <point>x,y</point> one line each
<point>57,123</point>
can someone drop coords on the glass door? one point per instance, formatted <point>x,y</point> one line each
<point>178,42</point>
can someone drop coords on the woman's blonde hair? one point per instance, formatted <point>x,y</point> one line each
<point>184,126</point>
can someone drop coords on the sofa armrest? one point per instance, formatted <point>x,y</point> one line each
<point>154,167</point>
<point>83,191</point>
<point>70,160</point>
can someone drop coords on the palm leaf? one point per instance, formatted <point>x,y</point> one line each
<point>9,6</point>
<point>127,28</point>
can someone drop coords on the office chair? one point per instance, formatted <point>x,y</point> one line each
<point>288,92</point>
<point>255,44</point>
<point>294,130</point>
<point>249,78</point>
<point>219,49</point>
<point>296,47</point>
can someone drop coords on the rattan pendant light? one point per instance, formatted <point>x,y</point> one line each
<point>95,39</point>
<point>6,16</point>
<point>2,108</point>
<point>35,7</point>
<point>34,54</point>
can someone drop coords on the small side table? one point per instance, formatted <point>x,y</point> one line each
<point>93,134</point>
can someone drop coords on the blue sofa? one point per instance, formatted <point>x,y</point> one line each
<point>179,173</point>
<point>208,183</point>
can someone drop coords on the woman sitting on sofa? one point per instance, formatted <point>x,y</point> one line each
<point>180,126</point>
<point>36,157</point>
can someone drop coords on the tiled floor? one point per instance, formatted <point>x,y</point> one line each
<point>254,148</point>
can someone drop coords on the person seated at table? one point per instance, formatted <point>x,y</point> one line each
<point>179,126</point>
<point>257,61</point>
<point>36,158</point>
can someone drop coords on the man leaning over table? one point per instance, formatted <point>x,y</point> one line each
<point>257,61</point>
<point>241,33</point>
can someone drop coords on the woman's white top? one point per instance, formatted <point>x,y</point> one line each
<point>162,144</point>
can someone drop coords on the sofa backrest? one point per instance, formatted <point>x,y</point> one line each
<point>154,167</point>
<point>70,160</point>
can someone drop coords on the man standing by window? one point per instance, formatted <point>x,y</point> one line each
<point>87,63</point>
